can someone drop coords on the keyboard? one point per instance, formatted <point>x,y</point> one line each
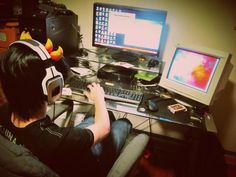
<point>118,94</point>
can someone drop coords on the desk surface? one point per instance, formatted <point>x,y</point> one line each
<point>204,123</point>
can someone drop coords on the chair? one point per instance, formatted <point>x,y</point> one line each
<point>18,161</point>
<point>125,165</point>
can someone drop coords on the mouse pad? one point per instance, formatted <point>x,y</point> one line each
<point>163,111</point>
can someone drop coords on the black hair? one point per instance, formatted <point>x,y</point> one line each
<point>21,73</point>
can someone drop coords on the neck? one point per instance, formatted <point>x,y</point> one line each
<point>21,123</point>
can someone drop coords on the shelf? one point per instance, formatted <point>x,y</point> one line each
<point>140,65</point>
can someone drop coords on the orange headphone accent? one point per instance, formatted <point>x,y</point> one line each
<point>55,55</point>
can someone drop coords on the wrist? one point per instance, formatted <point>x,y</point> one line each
<point>99,100</point>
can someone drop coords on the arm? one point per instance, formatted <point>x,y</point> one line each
<point>101,127</point>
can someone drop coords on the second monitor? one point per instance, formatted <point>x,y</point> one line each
<point>197,73</point>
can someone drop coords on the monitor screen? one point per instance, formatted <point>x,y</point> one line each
<point>195,72</point>
<point>128,28</point>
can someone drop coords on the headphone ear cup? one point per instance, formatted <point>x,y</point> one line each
<point>54,89</point>
<point>52,84</point>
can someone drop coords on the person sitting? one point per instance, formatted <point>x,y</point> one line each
<point>29,82</point>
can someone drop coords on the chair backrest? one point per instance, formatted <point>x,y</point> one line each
<point>17,161</point>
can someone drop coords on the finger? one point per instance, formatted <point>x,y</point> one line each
<point>94,84</point>
<point>85,93</point>
<point>90,86</point>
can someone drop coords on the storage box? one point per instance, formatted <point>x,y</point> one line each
<point>9,32</point>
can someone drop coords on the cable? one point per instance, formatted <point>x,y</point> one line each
<point>88,50</point>
<point>150,126</point>
<point>54,111</point>
<point>125,116</point>
<point>140,123</point>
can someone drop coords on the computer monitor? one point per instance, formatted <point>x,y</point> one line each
<point>128,29</point>
<point>196,73</point>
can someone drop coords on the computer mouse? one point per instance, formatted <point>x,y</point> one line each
<point>153,63</point>
<point>152,105</point>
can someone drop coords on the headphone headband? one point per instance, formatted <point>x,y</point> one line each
<point>36,46</point>
<point>53,81</point>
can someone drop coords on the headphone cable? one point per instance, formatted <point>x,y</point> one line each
<point>54,111</point>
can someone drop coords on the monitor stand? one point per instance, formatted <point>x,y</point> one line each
<point>124,56</point>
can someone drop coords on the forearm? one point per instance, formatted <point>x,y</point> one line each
<point>101,114</point>
<point>101,127</point>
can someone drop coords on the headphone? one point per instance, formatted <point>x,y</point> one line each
<point>53,81</point>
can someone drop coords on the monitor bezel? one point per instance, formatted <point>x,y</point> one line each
<point>138,51</point>
<point>205,98</point>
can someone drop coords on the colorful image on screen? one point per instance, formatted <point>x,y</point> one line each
<point>192,69</point>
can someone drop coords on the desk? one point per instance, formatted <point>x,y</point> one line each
<point>97,61</point>
<point>193,131</point>
<point>207,125</point>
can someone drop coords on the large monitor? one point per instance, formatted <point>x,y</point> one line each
<point>196,73</point>
<point>131,29</point>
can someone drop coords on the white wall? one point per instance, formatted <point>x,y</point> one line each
<point>210,23</point>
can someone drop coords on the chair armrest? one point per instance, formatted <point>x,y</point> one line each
<point>129,156</point>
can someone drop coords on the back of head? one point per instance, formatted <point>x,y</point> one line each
<point>22,72</point>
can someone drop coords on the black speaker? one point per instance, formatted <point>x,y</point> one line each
<point>61,26</point>
<point>62,29</point>
<point>116,73</point>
